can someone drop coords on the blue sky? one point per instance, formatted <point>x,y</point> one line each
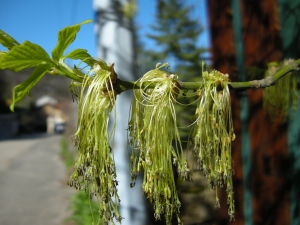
<point>39,21</point>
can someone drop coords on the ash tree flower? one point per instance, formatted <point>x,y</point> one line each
<point>155,141</point>
<point>213,134</point>
<point>95,169</point>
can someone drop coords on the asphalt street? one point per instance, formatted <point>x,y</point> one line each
<point>32,182</point>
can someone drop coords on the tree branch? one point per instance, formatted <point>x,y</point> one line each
<point>121,85</point>
<point>268,81</point>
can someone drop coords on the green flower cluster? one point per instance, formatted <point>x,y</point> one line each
<point>95,170</point>
<point>155,142</point>
<point>278,97</point>
<point>213,134</point>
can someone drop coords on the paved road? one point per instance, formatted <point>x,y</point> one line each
<point>32,182</point>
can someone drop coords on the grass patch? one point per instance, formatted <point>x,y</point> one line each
<point>84,210</point>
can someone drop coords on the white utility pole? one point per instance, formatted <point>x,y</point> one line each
<point>115,45</point>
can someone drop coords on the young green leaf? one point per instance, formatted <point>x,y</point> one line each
<point>24,56</point>
<point>24,88</point>
<point>78,72</point>
<point>102,64</point>
<point>7,41</point>
<point>2,53</point>
<point>65,37</point>
<point>81,54</point>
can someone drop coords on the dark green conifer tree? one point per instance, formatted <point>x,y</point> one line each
<point>176,33</point>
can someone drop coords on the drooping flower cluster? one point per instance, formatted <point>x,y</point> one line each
<point>214,132</point>
<point>155,142</point>
<point>95,170</point>
<point>154,138</point>
<point>277,98</point>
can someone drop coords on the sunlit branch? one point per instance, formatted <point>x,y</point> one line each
<point>121,85</point>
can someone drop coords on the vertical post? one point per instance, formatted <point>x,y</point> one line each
<point>289,20</point>
<point>245,143</point>
<point>115,45</point>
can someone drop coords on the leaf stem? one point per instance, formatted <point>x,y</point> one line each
<point>65,72</point>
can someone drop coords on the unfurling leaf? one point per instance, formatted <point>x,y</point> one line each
<point>80,54</point>
<point>7,41</point>
<point>24,88</point>
<point>2,54</point>
<point>24,56</point>
<point>65,37</point>
<point>103,65</point>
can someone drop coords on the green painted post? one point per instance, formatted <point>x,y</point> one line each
<point>237,27</point>
<point>290,31</point>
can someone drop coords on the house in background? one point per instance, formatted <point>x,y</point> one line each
<point>50,100</point>
<point>53,118</point>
